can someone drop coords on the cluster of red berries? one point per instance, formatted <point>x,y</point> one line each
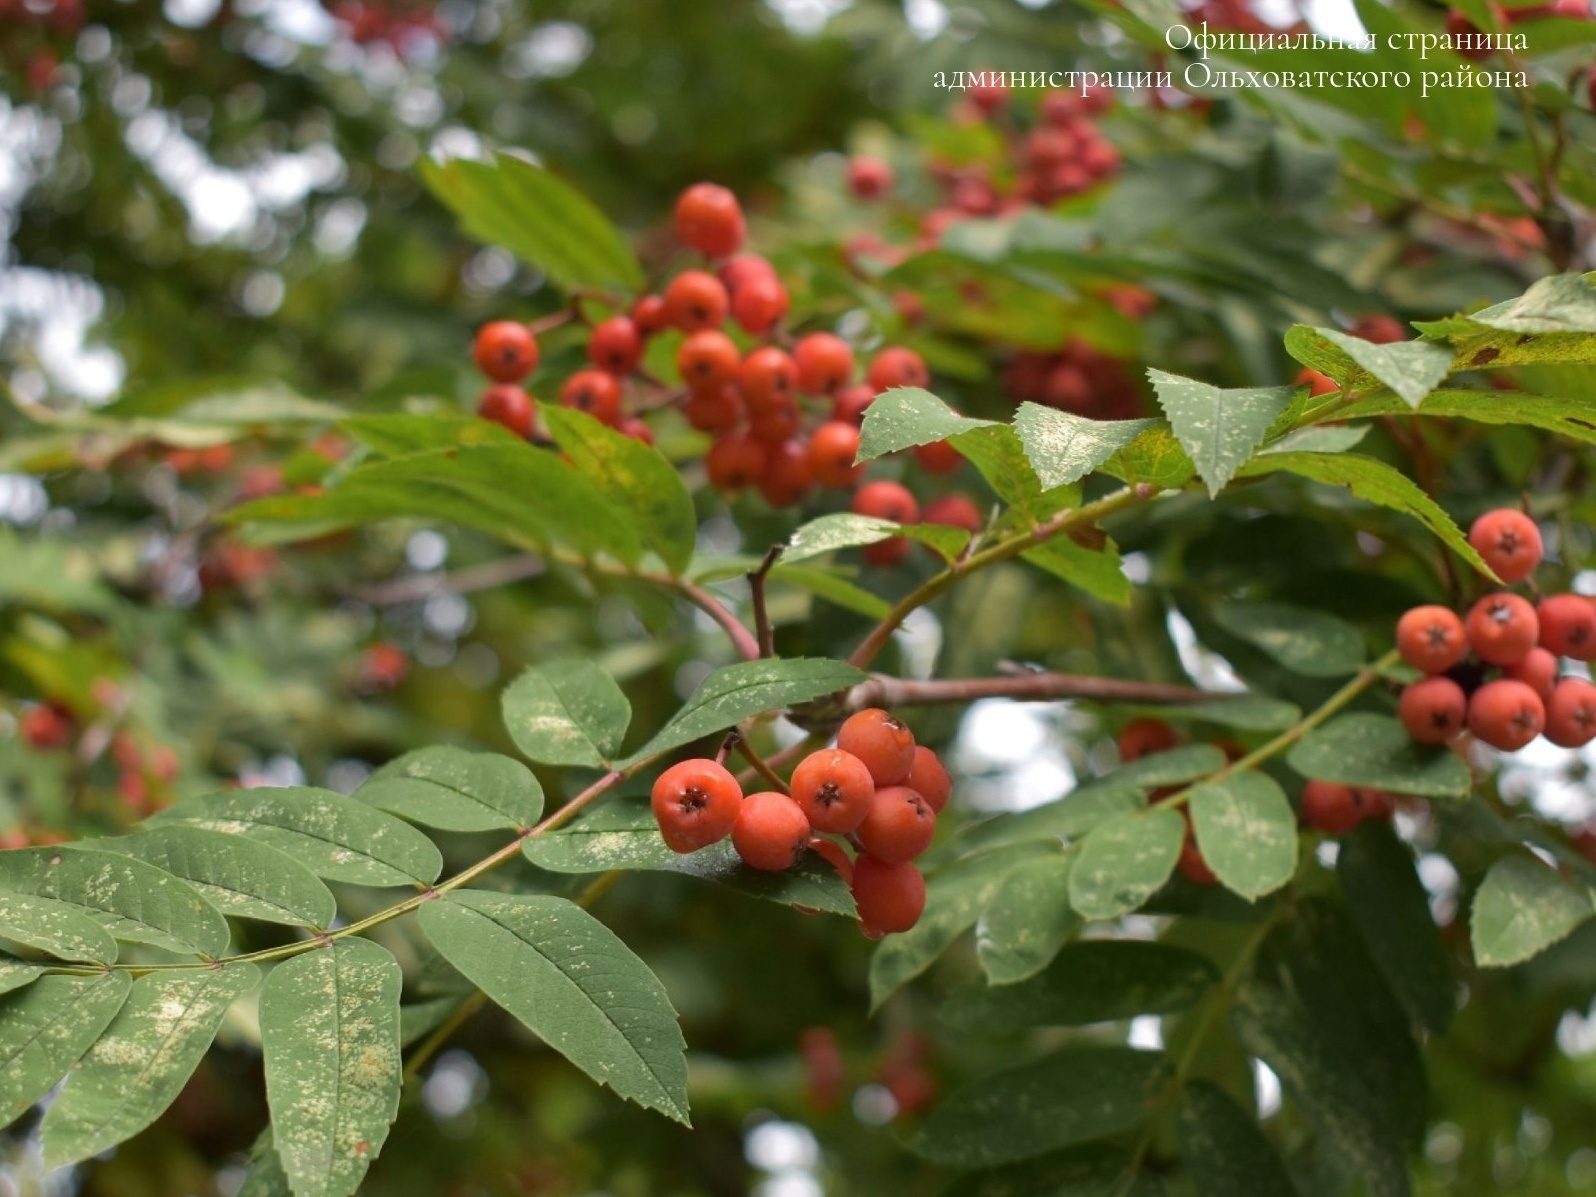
<point>877,790</point>
<point>782,422</point>
<point>1520,642</point>
<point>146,770</point>
<point>405,27</point>
<point>1079,378</point>
<point>904,1071</point>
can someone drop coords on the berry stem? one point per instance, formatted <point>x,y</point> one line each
<point>1063,522</point>
<point>756,587</point>
<point>760,765</point>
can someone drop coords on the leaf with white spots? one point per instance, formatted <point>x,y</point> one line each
<point>265,1177</point>
<point>1221,429</point>
<point>567,713</point>
<point>1412,369</point>
<point>45,1027</point>
<point>58,928</point>
<point>131,899</point>
<point>1124,861</point>
<point>1365,749</point>
<point>14,974</point>
<point>329,1029</point>
<point>455,790</point>
<point>1312,643</point>
<point>1069,1097</point>
<point>1246,831</point>
<point>574,983</point>
<point>136,1069</point>
<point>1063,447</point>
<point>1523,907</point>
<point>334,836</point>
<point>1027,920</point>
<point>1226,1153</point>
<point>239,876</point>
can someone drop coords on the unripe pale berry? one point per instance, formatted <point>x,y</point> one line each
<point>889,897</point>
<point>833,788</point>
<point>1509,542</point>
<point>1431,638</point>
<point>899,825</point>
<point>770,831</point>
<point>1506,714</point>
<point>885,746</point>
<point>1568,626</point>
<point>505,351</point>
<point>1502,628</point>
<point>696,803</point>
<point>1433,710</point>
<point>1571,713</point>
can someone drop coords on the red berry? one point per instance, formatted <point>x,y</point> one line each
<point>696,804</point>
<point>1571,713</point>
<point>707,360</point>
<point>938,457</point>
<point>505,351</point>
<point>384,667</point>
<point>886,501</point>
<point>929,778</point>
<point>1433,710</point>
<point>989,97</point>
<point>1317,383</point>
<point>615,345</point>
<point>1568,626</point>
<point>757,304</point>
<point>46,727</point>
<point>1506,714</point>
<point>1502,628</point>
<point>1509,542</point>
<point>889,897</point>
<point>851,403</point>
<point>648,316</point>
<point>507,404</point>
<point>746,268</point>
<point>956,511</point>
<point>824,361</point>
<point>1431,638</point>
<point>834,855</point>
<point>885,746</point>
<point>1143,737</point>
<point>899,825</point>
<point>1379,328</point>
<point>868,178</point>
<point>1191,864</point>
<point>637,429</point>
<point>770,831</point>
<point>825,1072</point>
<point>1538,670</point>
<point>896,366</point>
<point>696,300</point>
<point>715,410</point>
<point>734,463</point>
<point>775,420</point>
<point>786,477</point>
<point>832,450</point>
<point>595,392</point>
<point>1331,807</point>
<point>710,220</point>
<point>767,376</point>
<point>833,788</point>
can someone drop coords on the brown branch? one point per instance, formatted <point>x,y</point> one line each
<point>742,639</point>
<point>765,634</point>
<point>1030,686</point>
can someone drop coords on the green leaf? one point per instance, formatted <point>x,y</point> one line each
<point>1223,1149</point>
<point>1027,921</point>
<point>1551,322</point>
<point>1220,429</point>
<point>1246,831</point>
<point>334,836</point>
<point>636,476</point>
<point>1091,1170</point>
<point>329,1029</point>
<point>1124,861</point>
<point>1067,818</point>
<point>129,898</point>
<point>1249,712</point>
<point>241,877</point>
<point>1305,641</point>
<point>1063,447</point>
<point>265,1177</point>
<point>1170,768</point>
<point>1389,904</point>
<point>904,417</point>
<point>396,434</point>
<point>845,530</point>
<point>455,790</point>
<point>1523,907</point>
<point>1363,749</point>
<point>14,974</point>
<point>1069,1097</point>
<point>578,987</point>
<point>512,202</point>
<point>737,692</point>
<point>1099,572</point>
<point>955,898</point>
<point>567,712</point>
<point>45,1027</point>
<point>59,928</point>
<point>1412,369</point>
<point>620,835</point>
<point>1099,980</point>
<point>1155,457</point>
<point>1374,482</point>
<point>137,1068</point>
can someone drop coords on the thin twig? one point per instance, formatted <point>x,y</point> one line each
<point>760,765</point>
<point>742,639</point>
<point>413,588</point>
<point>885,691</point>
<point>765,634</point>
